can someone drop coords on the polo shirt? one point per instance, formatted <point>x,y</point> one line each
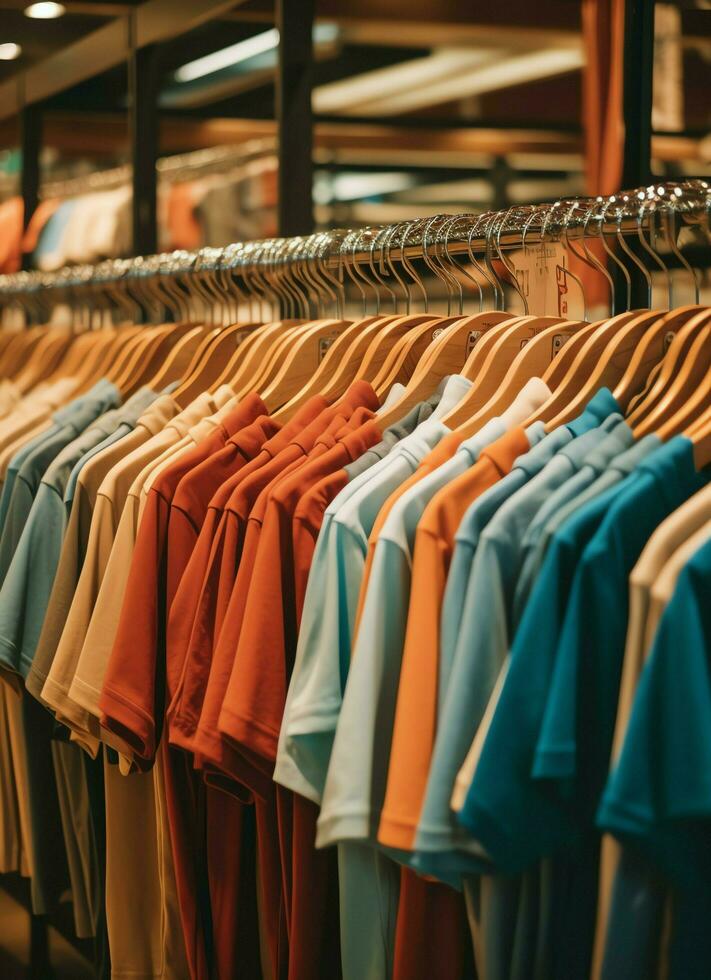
<point>73,591</point>
<point>619,439</point>
<point>550,611</point>
<point>98,643</point>
<point>231,600</point>
<point>416,696</point>
<point>193,606</point>
<point>25,594</point>
<point>161,425</point>
<point>632,894</point>
<point>393,434</point>
<point>330,606</point>
<point>32,415</point>
<point>139,644</point>
<point>310,510</point>
<point>73,420</point>
<point>578,723</point>
<point>253,707</point>
<point>268,636</point>
<point>243,523</point>
<point>465,684</point>
<point>356,780</point>
<point>659,802</point>
<point>120,425</point>
<point>616,469</point>
<point>525,690</point>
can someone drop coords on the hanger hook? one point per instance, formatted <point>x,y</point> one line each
<point>610,252</point>
<point>648,202</point>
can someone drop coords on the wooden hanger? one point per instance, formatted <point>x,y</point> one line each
<point>212,356</point>
<point>150,341</point>
<point>446,354</point>
<point>514,360</point>
<point>688,395</point>
<point>20,349</point>
<point>157,355</point>
<point>90,369</point>
<point>301,361</point>
<point>401,363</point>
<point>670,365</point>
<point>256,361</point>
<point>488,363</point>
<point>109,354</point>
<point>339,366</point>
<point>178,361</point>
<point>600,362</point>
<point>650,352</point>
<point>47,354</point>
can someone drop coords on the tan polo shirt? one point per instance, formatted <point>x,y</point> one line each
<point>84,674</point>
<point>227,400</point>
<point>145,935</point>
<point>105,516</point>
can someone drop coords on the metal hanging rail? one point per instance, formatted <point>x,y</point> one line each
<point>490,234</point>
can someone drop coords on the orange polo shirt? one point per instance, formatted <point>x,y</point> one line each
<point>416,712</point>
<point>192,613</point>
<point>133,690</point>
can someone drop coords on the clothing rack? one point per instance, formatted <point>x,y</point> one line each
<point>174,168</point>
<point>277,267</point>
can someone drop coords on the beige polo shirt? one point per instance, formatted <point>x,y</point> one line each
<point>87,640</point>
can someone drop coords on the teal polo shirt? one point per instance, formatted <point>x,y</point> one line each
<point>575,735</point>
<point>600,407</point>
<point>658,798</point>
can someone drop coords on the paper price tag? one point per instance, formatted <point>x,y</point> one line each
<point>541,271</point>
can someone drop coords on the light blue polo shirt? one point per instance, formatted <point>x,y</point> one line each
<point>600,457</point>
<point>331,602</point>
<point>28,578</point>
<point>484,635</point>
<point>658,797</point>
<point>600,407</point>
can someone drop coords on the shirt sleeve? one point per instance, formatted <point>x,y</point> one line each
<point>322,660</point>
<point>25,591</point>
<point>134,687</point>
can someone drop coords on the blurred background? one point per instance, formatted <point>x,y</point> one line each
<point>417,109</point>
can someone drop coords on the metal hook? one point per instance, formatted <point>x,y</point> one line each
<point>647,246</point>
<point>628,251</point>
<point>625,271</point>
<point>385,255</point>
<point>509,266</point>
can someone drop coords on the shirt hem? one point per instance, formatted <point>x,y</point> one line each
<point>336,827</point>
<point>129,721</point>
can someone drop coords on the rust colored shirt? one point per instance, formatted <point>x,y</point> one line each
<point>133,692</point>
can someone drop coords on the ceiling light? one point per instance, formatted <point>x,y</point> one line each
<point>9,51</point>
<point>226,57</point>
<point>45,10</point>
<point>251,48</point>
